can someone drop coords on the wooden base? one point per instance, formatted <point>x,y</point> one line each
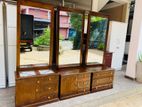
<point>74,95</point>
<point>42,89</point>
<point>40,103</point>
<point>101,88</point>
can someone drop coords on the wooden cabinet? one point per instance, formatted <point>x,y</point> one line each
<point>40,89</point>
<point>74,84</point>
<point>37,89</point>
<point>102,80</point>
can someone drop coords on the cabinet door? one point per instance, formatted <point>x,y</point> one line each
<point>47,88</point>
<point>68,85</point>
<point>25,91</point>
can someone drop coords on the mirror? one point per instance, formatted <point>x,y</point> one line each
<point>35,34</point>
<point>70,37</point>
<point>97,39</point>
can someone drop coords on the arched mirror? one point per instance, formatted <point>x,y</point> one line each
<point>34,34</point>
<point>70,34</point>
<point>97,38</point>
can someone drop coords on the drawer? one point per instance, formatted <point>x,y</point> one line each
<point>48,88</point>
<point>47,97</point>
<point>85,75</point>
<point>102,81</point>
<point>84,84</point>
<point>102,87</point>
<point>49,79</point>
<point>102,74</point>
<point>84,90</point>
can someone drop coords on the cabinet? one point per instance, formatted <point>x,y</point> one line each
<point>102,80</point>
<point>37,89</point>
<point>75,83</point>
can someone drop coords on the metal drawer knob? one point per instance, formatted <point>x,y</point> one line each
<point>36,90</point>
<point>49,97</point>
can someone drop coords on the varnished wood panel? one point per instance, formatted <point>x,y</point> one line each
<point>74,84</point>
<point>35,90</point>
<point>25,91</point>
<point>68,85</point>
<point>102,80</point>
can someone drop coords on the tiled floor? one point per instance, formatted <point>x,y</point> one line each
<point>123,87</point>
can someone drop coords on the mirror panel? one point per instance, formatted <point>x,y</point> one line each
<point>97,39</point>
<point>70,37</point>
<point>35,36</point>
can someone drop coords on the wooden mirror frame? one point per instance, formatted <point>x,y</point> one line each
<point>37,5</point>
<point>88,37</point>
<point>57,39</point>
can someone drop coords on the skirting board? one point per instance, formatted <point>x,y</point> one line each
<point>11,84</point>
<point>2,86</point>
<point>130,77</point>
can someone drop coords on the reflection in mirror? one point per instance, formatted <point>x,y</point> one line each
<point>97,39</point>
<point>35,36</point>
<point>70,34</point>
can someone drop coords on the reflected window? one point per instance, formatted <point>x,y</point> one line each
<point>70,34</point>
<point>35,36</point>
<point>97,39</point>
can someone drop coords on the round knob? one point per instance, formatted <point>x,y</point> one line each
<point>49,88</point>
<point>49,97</point>
<point>36,90</point>
<point>49,79</point>
<point>38,82</point>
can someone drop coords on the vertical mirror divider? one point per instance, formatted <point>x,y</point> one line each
<point>88,36</point>
<point>106,41</point>
<point>82,39</point>
<point>57,37</point>
<point>18,35</point>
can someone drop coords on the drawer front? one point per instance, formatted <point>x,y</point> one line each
<point>68,85</point>
<point>84,84</point>
<point>49,79</point>
<point>43,97</point>
<point>102,81</point>
<point>47,88</point>
<point>102,87</point>
<point>85,76</point>
<point>102,74</point>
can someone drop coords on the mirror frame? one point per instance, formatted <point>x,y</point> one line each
<point>57,37</point>
<point>37,5</point>
<point>88,37</point>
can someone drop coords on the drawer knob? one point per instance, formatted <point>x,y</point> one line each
<point>38,82</point>
<point>49,88</point>
<point>84,90</point>
<point>36,90</point>
<point>49,79</point>
<point>48,97</point>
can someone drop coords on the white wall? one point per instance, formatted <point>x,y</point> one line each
<point>136,40</point>
<point>116,43</point>
<point>2,58</point>
<point>11,28</point>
